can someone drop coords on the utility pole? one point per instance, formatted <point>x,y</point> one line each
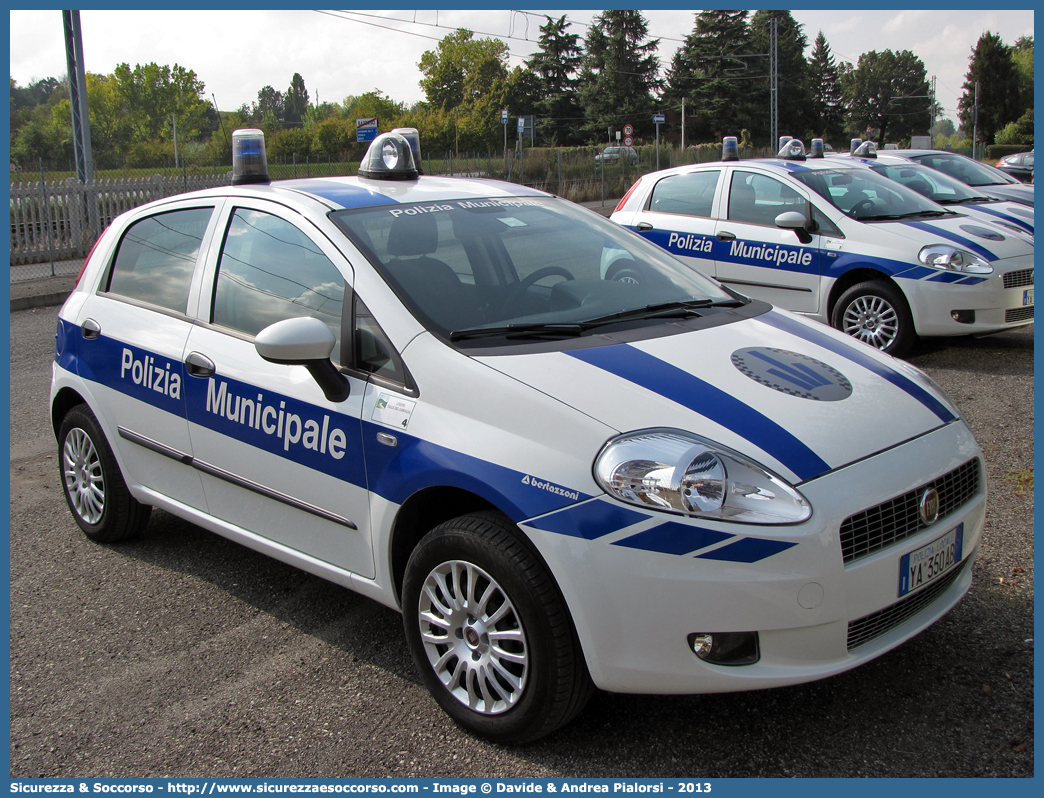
<point>683,125</point>
<point>81,127</point>
<point>975,123</point>
<point>773,84</point>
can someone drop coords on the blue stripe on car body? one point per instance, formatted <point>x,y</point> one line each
<point>978,249</point>
<point>649,372</point>
<point>852,351</point>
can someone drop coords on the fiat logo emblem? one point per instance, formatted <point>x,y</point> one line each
<point>930,506</point>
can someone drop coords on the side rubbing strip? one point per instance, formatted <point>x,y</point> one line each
<point>679,386</point>
<point>852,352</point>
<point>155,446</point>
<point>220,473</point>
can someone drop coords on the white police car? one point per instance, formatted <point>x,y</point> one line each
<point>427,390</point>
<point>947,191</point>
<point>830,239</point>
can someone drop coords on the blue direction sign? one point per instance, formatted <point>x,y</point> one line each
<point>366,129</point>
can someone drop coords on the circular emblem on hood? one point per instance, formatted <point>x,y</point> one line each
<point>792,373</point>
<point>982,232</point>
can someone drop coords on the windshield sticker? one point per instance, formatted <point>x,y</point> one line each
<point>793,374</point>
<point>393,411</point>
<point>511,221</point>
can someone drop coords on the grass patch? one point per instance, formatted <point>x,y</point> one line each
<point>1021,481</point>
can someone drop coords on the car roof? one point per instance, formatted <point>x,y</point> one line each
<point>342,193</point>
<point>780,166</point>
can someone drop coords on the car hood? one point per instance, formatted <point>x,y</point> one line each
<point>794,395</point>
<point>987,239</point>
<point>1009,191</point>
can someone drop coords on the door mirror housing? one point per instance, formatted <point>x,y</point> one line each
<point>304,342</point>
<point>792,220</point>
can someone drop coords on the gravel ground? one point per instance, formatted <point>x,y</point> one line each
<point>182,654</point>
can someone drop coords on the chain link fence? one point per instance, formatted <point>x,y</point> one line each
<point>55,218</point>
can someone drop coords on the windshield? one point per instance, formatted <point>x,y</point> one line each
<point>539,264</point>
<point>866,195</point>
<point>929,183</point>
<point>964,169</point>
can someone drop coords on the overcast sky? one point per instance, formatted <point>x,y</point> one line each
<point>235,53</point>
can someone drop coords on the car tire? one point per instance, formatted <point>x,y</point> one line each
<point>876,313</point>
<point>490,632</point>
<point>94,487</point>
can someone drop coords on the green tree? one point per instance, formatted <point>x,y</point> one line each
<point>708,71</point>
<point>461,69</point>
<point>887,94</point>
<point>152,94</point>
<point>793,99</point>
<point>827,102</point>
<point>295,102</point>
<point>1022,55</point>
<point>619,73</point>
<point>554,67</point>
<point>374,103</point>
<point>1018,132</point>
<point>270,107</point>
<point>992,67</point>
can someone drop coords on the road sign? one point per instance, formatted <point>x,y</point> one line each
<point>628,130</point>
<point>658,119</point>
<point>628,141</point>
<point>366,129</point>
<point>504,117</point>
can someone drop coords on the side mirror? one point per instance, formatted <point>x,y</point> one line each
<point>304,342</point>
<point>792,220</point>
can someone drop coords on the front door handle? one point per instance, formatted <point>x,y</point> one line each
<point>200,365</point>
<point>643,227</point>
<point>725,235</point>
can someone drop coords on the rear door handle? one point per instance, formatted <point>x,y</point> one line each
<point>643,227</point>
<point>725,235</point>
<point>200,365</point>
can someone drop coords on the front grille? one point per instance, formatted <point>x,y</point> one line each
<point>1018,314</point>
<point>1018,279</point>
<point>865,629</point>
<point>879,527</point>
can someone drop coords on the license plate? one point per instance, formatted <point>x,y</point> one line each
<point>1027,297</point>
<point>929,563</point>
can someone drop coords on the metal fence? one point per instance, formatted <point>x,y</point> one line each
<point>59,220</point>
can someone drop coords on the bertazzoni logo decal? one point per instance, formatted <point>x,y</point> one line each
<point>793,373</point>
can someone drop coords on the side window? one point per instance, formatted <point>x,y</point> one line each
<point>691,195</point>
<point>156,258</point>
<point>374,353</point>
<point>759,199</point>
<point>822,225</point>
<point>270,271</point>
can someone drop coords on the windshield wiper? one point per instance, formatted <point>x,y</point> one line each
<point>681,310</point>
<point>965,201</point>
<point>893,217</point>
<point>531,331</point>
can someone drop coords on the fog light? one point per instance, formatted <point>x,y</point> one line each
<point>726,648</point>
<point>963,316</point>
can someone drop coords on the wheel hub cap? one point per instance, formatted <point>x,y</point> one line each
<point>473,637</point>
<point>872,320</point>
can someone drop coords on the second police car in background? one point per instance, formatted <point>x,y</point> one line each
<point>831,239</point>
<point>947,191</point>
<point>430,391</point>
<point>981,176</point>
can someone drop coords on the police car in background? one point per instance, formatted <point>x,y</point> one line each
<point>430,391</point>
<point>947,191</point>
<point>831,239</point>
<point>987,179</point>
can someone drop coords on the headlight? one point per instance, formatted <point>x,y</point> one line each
<point>950,258</point>
<point>677,472</point>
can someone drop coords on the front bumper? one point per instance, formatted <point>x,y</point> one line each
<point>634,607</point>
<point>1003,300</point>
